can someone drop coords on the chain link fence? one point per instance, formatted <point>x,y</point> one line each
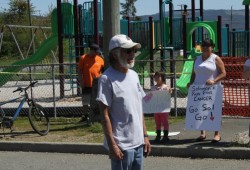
<point>58,91</point>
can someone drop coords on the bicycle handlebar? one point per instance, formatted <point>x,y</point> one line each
<point>32,84</point>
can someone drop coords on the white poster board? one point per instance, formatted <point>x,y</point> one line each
<point>157,102</point>
<point>204,108</point>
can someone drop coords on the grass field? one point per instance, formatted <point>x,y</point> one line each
<point>66,130</point>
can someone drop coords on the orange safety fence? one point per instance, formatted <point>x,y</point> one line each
<point>236,89</point>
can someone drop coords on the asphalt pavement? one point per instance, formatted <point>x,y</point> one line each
<point>184,144</point>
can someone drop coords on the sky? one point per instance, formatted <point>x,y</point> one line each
<point>144,7</point>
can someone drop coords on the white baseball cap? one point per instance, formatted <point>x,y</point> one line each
<point>122,41</point>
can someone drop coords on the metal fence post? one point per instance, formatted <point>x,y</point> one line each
<point>54,93</point>
<point>175,90</point>
<point>31,90</point>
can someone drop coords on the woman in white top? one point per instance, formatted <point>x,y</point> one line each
<point>208,69</point>
<point>246,69</point>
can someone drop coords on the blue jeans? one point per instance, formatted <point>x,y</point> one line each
<point>132,160</point>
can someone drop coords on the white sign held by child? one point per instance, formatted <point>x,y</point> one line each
<point>157,102</point>
<point>204,108</point>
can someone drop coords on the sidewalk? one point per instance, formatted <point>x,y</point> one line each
<point>182,145</point>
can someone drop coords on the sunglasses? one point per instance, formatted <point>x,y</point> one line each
<point>130,50</point>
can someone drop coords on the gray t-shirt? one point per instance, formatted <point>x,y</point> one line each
<point>123,94</point>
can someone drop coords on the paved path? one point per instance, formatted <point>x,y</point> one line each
<point>62,161</point>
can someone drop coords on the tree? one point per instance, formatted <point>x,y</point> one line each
<point>18,12</point>
<point>128,9</point>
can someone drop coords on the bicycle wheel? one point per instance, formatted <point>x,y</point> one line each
<point>39,120</point>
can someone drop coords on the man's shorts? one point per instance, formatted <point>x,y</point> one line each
<point>86,96</point>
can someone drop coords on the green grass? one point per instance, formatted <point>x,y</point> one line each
<point>150,122</point>
<point>68,130</point>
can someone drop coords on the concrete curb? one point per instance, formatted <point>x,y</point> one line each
<point>197,151</point>
<point>201,152</point>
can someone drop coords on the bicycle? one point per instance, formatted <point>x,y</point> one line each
<point>38,119</point>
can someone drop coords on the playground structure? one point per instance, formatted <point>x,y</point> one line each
<point>81,25</point>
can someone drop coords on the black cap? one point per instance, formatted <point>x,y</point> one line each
<point>95,47</point>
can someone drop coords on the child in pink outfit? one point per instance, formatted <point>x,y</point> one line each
<point>161,119</point>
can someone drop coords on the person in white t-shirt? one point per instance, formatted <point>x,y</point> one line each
<point>120,101</point>
<point>208,69</point>
<point>246,69</point>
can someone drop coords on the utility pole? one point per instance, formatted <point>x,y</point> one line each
<point>111,24</point>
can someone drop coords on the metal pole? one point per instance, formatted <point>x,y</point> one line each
<point>76,31</point>
<point>193,20</point>
<point>247,27</point>
<point>31,92</point>
<point>30,23</point>
<point>81,29</point>
<point>151,48</point>
<point>171,38</point>
<point>184,34</point>
<point>60,47</point>
<point>219,36</point>
<point>233,43</point>
<point>171,22</point>
<point>202,17</point>
<point>175,89</point>
<point>227,25</point>
<point>96,19</point>
<point>162,34</point>
<point>129,32</point>
<point>54,91</point>
<point>201,10</point>
<point>231,18</point>
<point>77,39</point>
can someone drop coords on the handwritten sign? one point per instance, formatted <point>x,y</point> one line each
<point>204,108</point>
<point>157,102</point>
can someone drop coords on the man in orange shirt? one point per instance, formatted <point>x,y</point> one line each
<point>90,67</point>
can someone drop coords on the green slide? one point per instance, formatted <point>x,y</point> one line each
<point>144,55</point>
<point>182,82</point>
<point>139,66</point>
<point>187,70</point>
<point>45,48</point>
